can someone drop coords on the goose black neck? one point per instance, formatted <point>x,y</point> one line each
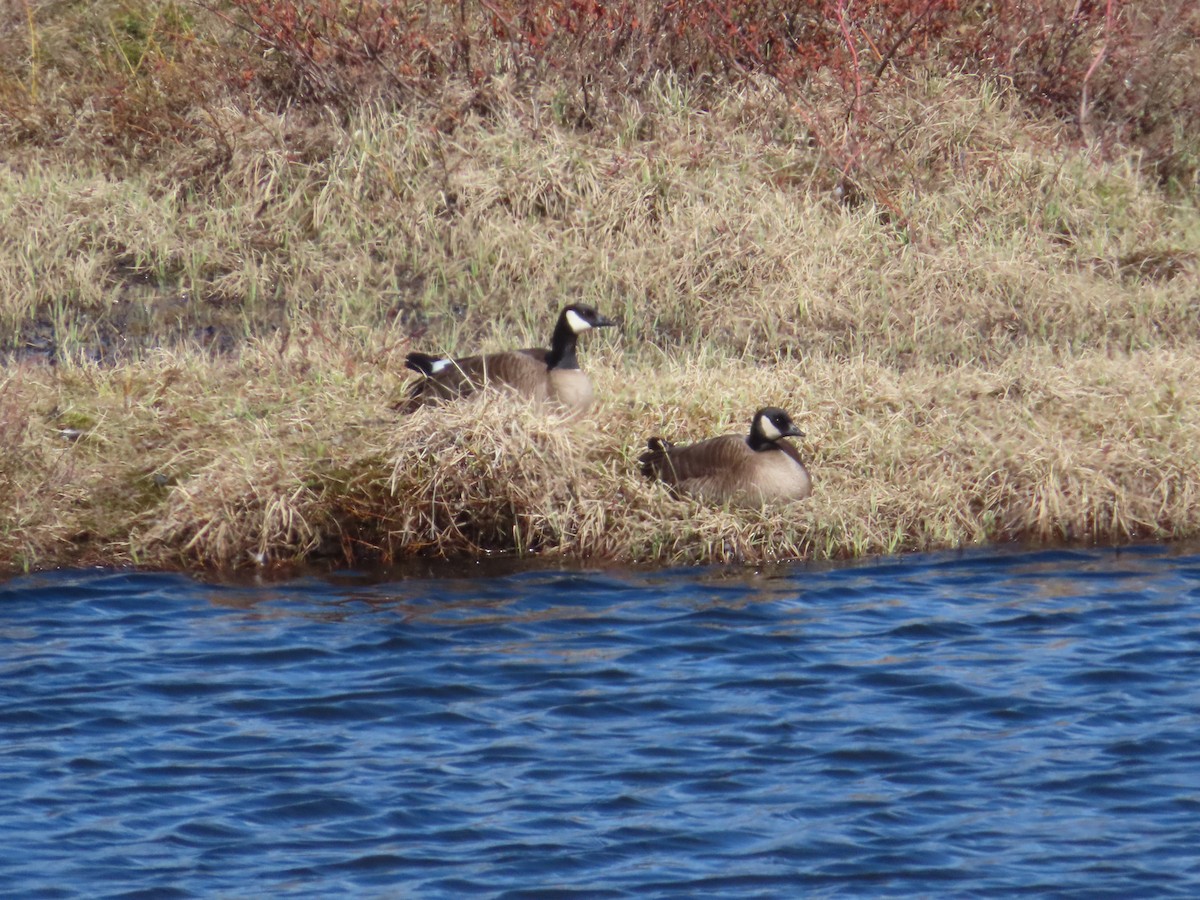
<point>758,443</point>
<point>562,346</point>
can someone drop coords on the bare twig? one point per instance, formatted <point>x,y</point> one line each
<point>1096,62</point>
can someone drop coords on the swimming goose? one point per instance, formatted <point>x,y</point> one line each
<point>545,376</point>
<point>744,471</point>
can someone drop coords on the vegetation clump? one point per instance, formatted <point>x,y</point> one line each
<point>956,241</point>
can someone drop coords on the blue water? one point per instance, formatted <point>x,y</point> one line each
<point>952,725</point>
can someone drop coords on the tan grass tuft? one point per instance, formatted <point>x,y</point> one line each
<point>239,509</point>
<point>491,474</point>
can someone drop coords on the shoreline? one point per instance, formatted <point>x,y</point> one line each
<point>501,565</point>
<point>156,478</point>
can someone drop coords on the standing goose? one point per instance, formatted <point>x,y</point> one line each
<point>744,471</point>
<point>545,376</point>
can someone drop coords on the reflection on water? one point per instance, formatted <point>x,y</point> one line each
<point>983,723</point>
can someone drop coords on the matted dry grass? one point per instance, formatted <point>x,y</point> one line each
<point>257,460</point>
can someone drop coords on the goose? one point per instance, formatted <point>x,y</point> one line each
<point>743,471</point>
<point>545,376</point>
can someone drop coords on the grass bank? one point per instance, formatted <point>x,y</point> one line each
<point>203,348</point>
<point>187,461</point>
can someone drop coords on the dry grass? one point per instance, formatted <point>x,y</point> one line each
<point>299,457</point>
<point>1013,362</point>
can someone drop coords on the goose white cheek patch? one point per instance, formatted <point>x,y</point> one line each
<point>768,430</point>
<point>577,322</point>
<point>439,365</point>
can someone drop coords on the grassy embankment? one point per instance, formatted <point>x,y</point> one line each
<point>1001,343</point>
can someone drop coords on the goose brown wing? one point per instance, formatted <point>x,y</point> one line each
<point>522,370</point>
<point>788,448</point>
<point>718,458</point>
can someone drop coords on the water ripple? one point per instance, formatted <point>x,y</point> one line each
<point>975,724</point>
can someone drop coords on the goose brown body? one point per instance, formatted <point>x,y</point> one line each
<point>742,471</point>
<point>550,376</point>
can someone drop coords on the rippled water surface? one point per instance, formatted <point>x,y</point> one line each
<point>976,724</point>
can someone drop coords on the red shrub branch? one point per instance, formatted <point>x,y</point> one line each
<point>1070,57</point>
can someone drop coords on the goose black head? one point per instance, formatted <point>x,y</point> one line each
<point>770,425</point>
<point>580,318</point>
<point>572,322</point>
